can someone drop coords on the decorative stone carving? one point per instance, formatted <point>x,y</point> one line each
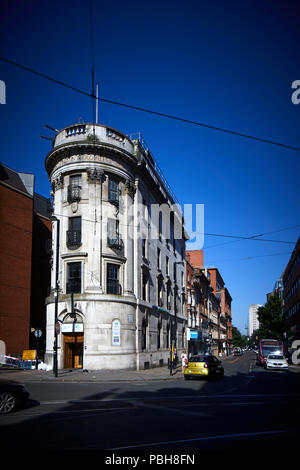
<point>74,207</point>
<point>58,182</point>
<point>95,175</point>
<point>129,188</point>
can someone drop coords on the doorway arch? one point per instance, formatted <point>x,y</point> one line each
<point>73,341</point>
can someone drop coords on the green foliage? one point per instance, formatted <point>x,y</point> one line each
<point>92,138</point>
<point>237,338</point>
<point>253,342</point>
<point>271,324</point>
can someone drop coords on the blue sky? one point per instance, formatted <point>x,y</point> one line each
<point>227,64</point>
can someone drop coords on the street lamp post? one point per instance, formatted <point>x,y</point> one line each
<point>54,219</point>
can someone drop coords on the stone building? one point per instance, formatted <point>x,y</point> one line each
<point>121,253</point>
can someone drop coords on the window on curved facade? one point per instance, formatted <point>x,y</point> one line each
<point>73,278</point>
<point>113,191</point>
<point>113,281</point>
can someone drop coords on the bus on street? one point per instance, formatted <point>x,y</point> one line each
<point>266,347</point>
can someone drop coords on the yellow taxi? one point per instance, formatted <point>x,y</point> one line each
<point>203,365</point>
<point>237,351</point>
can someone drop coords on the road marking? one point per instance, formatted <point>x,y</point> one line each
<point>198,439</point>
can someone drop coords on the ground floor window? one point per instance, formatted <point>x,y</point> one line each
<point>158,335</point>
<point>167,337</point>
<point>144,335</point>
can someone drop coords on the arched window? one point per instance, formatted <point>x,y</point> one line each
<point>160,225</point>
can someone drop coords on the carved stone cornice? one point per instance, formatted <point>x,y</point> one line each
<point>84,151</point>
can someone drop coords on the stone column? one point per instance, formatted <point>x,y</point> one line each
<point>129,192</point>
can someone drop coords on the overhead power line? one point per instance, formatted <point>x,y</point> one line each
<point>242,238</point>
<point>253,237</point>
<point>150,111</point>
<point>237,238</point>
<point>257,256</point>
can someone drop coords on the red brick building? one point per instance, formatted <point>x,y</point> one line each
<point>225,319</point>
<point>24,273</point>
<point>213,302</point>
<point>291,294</point>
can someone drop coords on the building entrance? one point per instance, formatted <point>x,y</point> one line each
<point>73,351</point>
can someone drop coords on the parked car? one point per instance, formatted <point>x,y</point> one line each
<point>13,395</point>
<point>237,351</point>
<point>204,366</point>
<point>276,361</point>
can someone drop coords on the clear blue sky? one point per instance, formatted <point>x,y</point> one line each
<point>228,64</point>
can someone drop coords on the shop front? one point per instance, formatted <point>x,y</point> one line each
<point>195,341</point>
<point>73,344</point>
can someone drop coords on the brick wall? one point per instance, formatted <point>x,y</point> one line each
<point>16,211</point>
<point>195,258</point>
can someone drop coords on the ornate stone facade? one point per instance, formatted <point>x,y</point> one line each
<point>108,265</point>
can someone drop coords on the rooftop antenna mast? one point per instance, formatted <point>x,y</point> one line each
<point>97,101</point>
<point>92,60</point>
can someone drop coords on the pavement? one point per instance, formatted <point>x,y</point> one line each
<point>80,375</point>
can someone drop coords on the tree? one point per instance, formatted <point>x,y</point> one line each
<point>237,338</point>
<point>271,324</point>
<point>252,342</point>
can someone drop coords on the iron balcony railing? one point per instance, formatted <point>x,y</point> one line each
<point>74,193</point>
<point>137,136</point>
<point>73,238</point>
<point>115,242</point>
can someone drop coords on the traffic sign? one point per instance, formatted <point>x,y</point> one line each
<point>38,333</point>
<point>57,327</point>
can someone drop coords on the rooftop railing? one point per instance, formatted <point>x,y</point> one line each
<point>138,136</point>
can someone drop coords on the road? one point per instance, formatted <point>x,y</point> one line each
<point>249,409</point>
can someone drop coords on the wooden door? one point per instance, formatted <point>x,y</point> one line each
<point>73,351</point>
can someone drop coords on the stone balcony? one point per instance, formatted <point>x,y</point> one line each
<point>84,132</point>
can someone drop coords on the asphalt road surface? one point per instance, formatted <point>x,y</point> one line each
<point>249,409</point>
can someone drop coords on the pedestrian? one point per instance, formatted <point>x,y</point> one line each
<point>184,360</point>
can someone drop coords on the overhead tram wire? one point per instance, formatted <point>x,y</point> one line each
<point>204,233</point>
<point>237,237</point>
<point>156,113</point>
<point>253,237</point>
<point>254,257</point>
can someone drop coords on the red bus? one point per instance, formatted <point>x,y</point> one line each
<point>266,347</point>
